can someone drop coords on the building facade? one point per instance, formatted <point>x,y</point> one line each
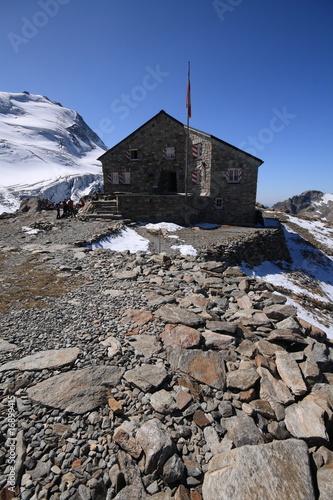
<point>218,183</point>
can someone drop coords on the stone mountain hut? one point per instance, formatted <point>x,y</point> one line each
<point>148,175</point>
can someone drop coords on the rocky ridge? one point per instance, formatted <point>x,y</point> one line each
<point>155,376</point>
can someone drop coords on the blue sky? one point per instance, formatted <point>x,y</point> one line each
<point>261,73</point>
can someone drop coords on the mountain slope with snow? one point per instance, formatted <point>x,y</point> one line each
<point>46,150</point>
<point>314,204</point>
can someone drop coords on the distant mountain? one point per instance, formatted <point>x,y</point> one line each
<point>46,150</point>
<point>310,203</point>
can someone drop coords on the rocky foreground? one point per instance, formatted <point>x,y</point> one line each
<point>149,376</point>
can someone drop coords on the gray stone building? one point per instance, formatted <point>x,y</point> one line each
<point>146,172</point>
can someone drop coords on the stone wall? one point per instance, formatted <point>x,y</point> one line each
<point>253,248</point>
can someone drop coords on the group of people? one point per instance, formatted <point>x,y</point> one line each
<point>68,208</point>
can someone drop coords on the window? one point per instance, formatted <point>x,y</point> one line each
<point>119,178</point>
<point>132,154</point>
<point>218,204</point>
<point>234,175</point>
<point>125,178</point>
<point>169,153</point>
<point>197,150</point>
<point>113,178</point>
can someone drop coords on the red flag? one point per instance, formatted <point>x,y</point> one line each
<point>188,95</point>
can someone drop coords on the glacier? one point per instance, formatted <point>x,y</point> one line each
<point>46,151</point>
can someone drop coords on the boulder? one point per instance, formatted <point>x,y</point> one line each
<point>147,377</point>
<point>180,336</point>
<point>305,420</point>
<point>170,313</point>
<point>274,471</point>
<point>290,373</point>
<point>43,360</point>
<point>242,379</point>
<point>77,391</point>
<point>205,366</point>
<point>156,443</point>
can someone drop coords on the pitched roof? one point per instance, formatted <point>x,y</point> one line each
<point>191,128</point>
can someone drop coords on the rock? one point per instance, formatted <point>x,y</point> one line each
<point>272,389</point>
<point>181,336</point>
<point>253,472</point>
<point>156,444</point>
<point>7,346</point>
<point>77,391</point>
<point>242,430</point>
<point>163,402</point>
<point>305,420</point>
<point>290,373</point>
<point>139,316</point>
<point>170,313</point>
<point>217,341</point>
<point>53,358</point>
<point>263,408</point>
<point>242,379</point>
<point>222,327</point>
<point>205,366</point>
<point>286,336</point>
<point>147,377</point>
<point>127,442</point>
<point>173,470</point>
<point>325,482</point>
<point>280,311</point>
<point>147,345</point>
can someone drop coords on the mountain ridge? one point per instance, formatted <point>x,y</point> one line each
<point>311,203</point>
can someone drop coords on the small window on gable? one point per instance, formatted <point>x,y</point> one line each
<point>169,153</point>
<point>197,150</point>
<point>218,204</point>
<point>234,175</point>
<point>132,154</point>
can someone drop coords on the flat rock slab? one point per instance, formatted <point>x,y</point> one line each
<point>146,377</point>
<point>147,345</point>
<point>43,360</point>
<point>77,391</point>
<point>273,471</point>
<point>7,346</point>
<point>174,314</point>
<point>305,420</point>
<point>180,336</point>
<point>205,366</point>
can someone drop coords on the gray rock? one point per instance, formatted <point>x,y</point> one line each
<point>272,389</point>
<point>242,430</point>
<point>156,443</point>
<point>53,358</point>
<point>325,482</point>
<point>170,313</point>
<point>263,472</point>
<point>173,470</point>
<point>77,391</point>
<point>163,402</point>
<point>290,373</point>
<point>147,377</point>
<point>7,346</point>
<point>305,420</point>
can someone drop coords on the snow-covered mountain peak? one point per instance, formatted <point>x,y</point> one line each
<point>43,143</point>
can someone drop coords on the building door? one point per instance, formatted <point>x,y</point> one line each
<point>171,182</point>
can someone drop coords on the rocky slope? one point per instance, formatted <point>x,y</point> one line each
<point>314,204</point>
<point>152,376</point>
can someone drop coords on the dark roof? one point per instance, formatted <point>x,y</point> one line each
<point>180,123</point>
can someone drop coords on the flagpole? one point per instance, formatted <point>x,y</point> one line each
<point>188,106</point>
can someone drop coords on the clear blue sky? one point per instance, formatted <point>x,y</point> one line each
<point>261,73</point>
